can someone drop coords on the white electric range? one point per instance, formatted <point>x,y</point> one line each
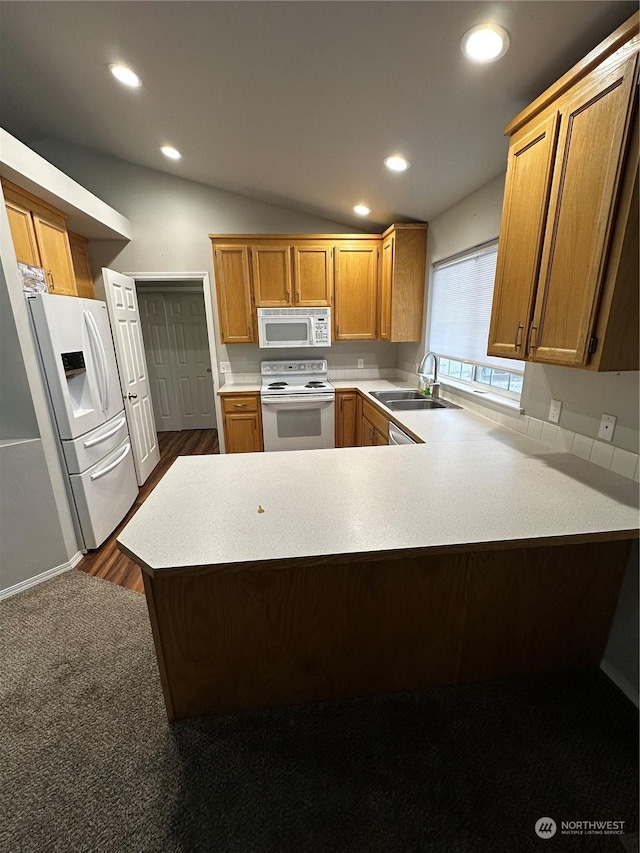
<point>298,405</point>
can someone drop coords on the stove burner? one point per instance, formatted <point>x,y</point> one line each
<point>314,384</point>
<point>277,384</point>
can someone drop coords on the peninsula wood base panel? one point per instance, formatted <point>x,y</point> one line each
<point>245,639</point>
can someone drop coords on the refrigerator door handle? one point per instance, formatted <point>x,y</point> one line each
<point>101,360</point>
<point>111,465</point>
<point>93,441</point>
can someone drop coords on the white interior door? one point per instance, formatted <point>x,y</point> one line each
<point>122,302</point>
<point>191,361</point>
<point>159,360</point>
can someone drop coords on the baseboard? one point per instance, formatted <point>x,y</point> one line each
<point>43,576</point>
<point>621,682</point>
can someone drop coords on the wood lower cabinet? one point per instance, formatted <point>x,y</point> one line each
<point>40,238</point>
<point>346,418</point>
<point>567,272</point>
<point>402,282</point>
<point>242,423</point>
<point>233,288</point>
<point>81,268</point>
<point>374,426</point>
<point>356,289</point>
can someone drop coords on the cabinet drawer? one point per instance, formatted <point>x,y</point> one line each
<point>375,417</point>
<point>240,403</point>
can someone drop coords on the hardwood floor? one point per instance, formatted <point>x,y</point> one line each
<point>109,563</point>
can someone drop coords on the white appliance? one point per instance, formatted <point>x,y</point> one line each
<point>294,327</point>
<point>298,405</point>
<point>79,367</point>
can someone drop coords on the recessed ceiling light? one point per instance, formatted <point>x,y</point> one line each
<point>170,152</point>
<point>485,43</point>
<point>125,75</point>
<point>361,209</point>
<point>396,163</point>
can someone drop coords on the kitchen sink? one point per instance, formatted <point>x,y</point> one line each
<point>386,396</point>
<point>410,401</point>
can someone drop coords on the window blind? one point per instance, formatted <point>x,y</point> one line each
<point>460,307</point>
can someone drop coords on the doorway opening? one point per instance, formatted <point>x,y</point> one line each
<point>176,318</point>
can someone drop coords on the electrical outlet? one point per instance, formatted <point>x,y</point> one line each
<point>361,362</point>
<point>607,426</point>
<point>554,411</point>
<point>225,367</point>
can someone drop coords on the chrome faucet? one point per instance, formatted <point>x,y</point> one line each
<point>434,387</point>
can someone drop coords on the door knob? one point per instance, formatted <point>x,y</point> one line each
<point>132,396</point>
<point>208,370</point>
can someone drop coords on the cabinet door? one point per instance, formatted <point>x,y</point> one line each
<point>524,216</point>
<point>346,423</point>
<point>386,284</point>
<point>271,268</point>
<point>81,268</point>
<point>368,437</point>
<point>312,275</point>
<point>356,285</point>
<point>233,288</point>
<point>22,232</point>
<point>596,121</point>
<point>242,433</point>
<point>55,253</point>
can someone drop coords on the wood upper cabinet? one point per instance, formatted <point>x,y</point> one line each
<point>312,274</point>
<point>22,230</point>
<point>402,282</point>
<point>346,418</point>
<point>82,271</point>
<point>271,272</point>
<point>242,423</point>
<point>524,215</point>
<point>567,272</point>
<point>40,238</point>
<point>356,288</point>
<point>233,289</point>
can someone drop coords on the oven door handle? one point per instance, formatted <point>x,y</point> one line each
<point>306,403</point>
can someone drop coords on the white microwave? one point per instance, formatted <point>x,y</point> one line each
<point>294,327</point>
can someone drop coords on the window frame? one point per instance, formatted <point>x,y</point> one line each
<point>473,384</point>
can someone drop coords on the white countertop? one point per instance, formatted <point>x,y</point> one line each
<point>472,482</point>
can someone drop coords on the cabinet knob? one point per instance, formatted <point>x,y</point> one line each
<point>534,329</point>
<point>52,280</point>
<point>240,405</point>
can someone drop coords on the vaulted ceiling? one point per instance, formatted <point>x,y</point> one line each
<point>293,102</point>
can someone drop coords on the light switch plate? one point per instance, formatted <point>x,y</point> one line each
<point>607,426</point>
<point>361,362</point>
<point>225,367</point>
<point>554,411</point>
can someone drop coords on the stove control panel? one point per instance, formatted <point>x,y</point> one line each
<point>297,367</point>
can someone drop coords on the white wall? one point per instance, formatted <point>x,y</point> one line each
<point>171,219</point>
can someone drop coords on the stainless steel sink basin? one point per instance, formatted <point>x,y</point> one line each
<point>410,401</point>
<point>386,396</point>
<point>414,405</point>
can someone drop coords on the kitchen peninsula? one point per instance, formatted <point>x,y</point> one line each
<point>282,578</point>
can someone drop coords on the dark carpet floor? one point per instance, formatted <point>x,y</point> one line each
<point>88,761</point>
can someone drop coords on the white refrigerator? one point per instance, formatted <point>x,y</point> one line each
<point>79,367</point>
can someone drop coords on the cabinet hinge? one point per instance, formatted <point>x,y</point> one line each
<point>593,345</point>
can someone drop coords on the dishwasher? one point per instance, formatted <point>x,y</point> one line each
<point>398,436</point>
